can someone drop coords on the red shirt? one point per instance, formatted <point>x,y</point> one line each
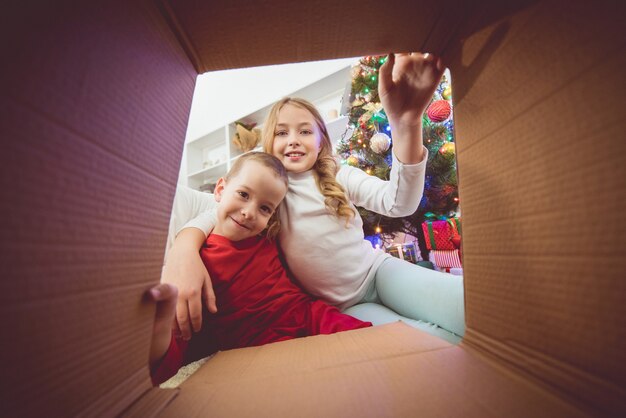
<point>257,304</point>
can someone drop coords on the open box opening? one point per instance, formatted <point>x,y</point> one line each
<point>95,105</point>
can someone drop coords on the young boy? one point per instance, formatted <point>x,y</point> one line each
<point>256,301</point>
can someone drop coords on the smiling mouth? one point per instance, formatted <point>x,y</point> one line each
<point>241,225</point>
<point>294,154</point>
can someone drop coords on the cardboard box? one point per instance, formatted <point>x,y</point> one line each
<point>386,371</point>
<point>94,108</point>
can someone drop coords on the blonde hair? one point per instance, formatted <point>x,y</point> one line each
<point>274,164</point>
<point>325,168</point>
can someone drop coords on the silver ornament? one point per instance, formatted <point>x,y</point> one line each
<point>380,142</point>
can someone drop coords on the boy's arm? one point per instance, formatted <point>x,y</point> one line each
<point>166,352</point>
<point>164,296</point>
<point>406,84</point>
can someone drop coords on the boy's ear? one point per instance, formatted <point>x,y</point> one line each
<point>219,189</point>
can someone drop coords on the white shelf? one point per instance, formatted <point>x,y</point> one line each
<point>206,175</point>
<point>208,139</point>
<point>207,172</point>
<point>337,128</point>
<point>217,150</point>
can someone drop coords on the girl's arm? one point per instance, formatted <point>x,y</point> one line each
<point>189,209</point>
<point>406,84</point>
<point>183,266</point>
<point>185,270</point>
<point>399,196</point>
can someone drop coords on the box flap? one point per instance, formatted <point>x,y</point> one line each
<point>285,31</point>
<point>537,113</point>
<point>151,404</point>
<point>309,354</point>
<point>390,370</point>
<point>95,103</point>
<point>94,109</point>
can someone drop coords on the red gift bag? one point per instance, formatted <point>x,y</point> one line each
<point>442,235</point>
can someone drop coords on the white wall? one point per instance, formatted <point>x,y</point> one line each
<point>222,97</point>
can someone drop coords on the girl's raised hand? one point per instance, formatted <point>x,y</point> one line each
<point>406,83</point>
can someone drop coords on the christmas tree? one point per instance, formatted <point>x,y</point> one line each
<point>369,148</point>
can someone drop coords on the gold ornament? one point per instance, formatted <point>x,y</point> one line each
<point>447,148</point>
<point>353,160</point>
<point>447,93</point>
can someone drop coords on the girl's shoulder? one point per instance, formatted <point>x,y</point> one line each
<point>346,173</point>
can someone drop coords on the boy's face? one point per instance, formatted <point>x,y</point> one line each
<point>247,201</point>
<point>297,139</point>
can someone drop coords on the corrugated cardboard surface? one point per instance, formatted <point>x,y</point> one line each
<point>538,95</point>
<point>539,120</point>
<point>387,371</point>
<point>95,98</point>
<point>286,31</point>
<point>241,33</point>
<point>94,106</point>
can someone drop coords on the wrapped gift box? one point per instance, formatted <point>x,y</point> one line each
<point>445,258</point>
<point>442,235</point>
<point>407,251</point>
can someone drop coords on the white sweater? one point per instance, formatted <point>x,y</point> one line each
<point>330,260</point>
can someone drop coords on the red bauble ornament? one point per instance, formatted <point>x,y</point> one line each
<point>439,110</point>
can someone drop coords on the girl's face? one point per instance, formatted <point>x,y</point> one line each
<point>297,139</point>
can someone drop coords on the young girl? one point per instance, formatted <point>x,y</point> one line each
<point>258,304</point>
<point>321,236</point>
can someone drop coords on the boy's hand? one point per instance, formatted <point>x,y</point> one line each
<point>164,295</point>
<point>406,83</point>
<point>184,269</point>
